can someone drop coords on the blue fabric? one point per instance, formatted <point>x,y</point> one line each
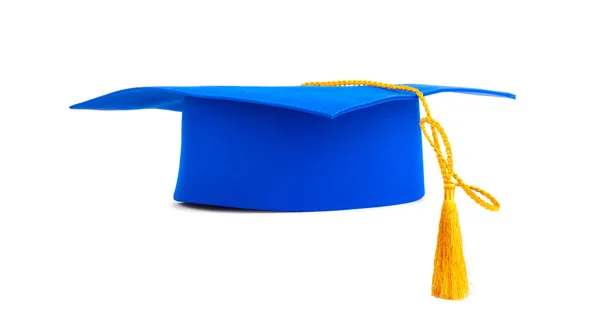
<point>328,102</point>
<point>242,147</point>
<point>251,156</point>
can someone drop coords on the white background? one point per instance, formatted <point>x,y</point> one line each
<point>90,237</point>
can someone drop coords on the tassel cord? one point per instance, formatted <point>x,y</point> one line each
<point>446,164</point>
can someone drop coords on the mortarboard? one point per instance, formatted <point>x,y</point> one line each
<point>316,147</point>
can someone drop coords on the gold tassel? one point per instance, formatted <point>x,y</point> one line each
<point>450,271</point>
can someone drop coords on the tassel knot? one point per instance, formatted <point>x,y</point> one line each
<point>449,191</point>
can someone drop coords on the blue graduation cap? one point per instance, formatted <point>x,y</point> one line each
<point>315,147</point>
